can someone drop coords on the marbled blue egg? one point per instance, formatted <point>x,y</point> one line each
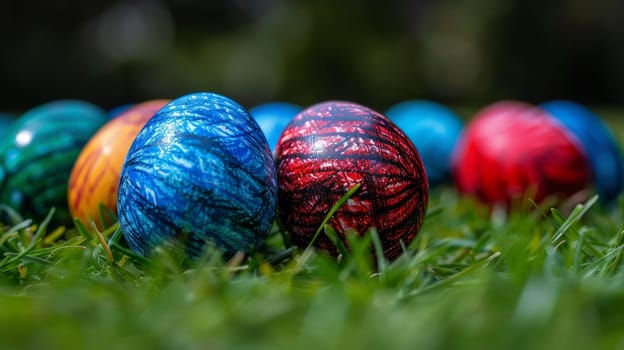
<point>434,129</point>
<point>273,117</point>
<point>199,171</point>
<point>597,142</point>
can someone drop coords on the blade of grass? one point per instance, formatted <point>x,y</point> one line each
<point>456,277</point>
<point>7,265</point>
<point>306,255</point>
<point>31,258</point>
<point>577,213</point>
<point>577,252</point>
<point>116,236</point>
<point>14,232</point>
<point>379,253</point>
<point>100,238</point>
<point>106,215</point>
<point>51,238</point>
<point>14,216</point>
<point>335,239</point>
<point>332,211</point>
<point>82,229</point>
<point>619,246</point>
<point>125,251</point>
<point>41,230</point>
<point>282,255</point>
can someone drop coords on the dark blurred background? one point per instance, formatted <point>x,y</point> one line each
<point>376,53</point>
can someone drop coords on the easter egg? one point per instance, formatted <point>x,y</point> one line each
<point>434,129</point>
<point>5,122</point>
<point>95,176</point>
<point>199,171</point>
<point>113,112</point>
<point>38,152</point>
<point>512,149</point>
<point>598,142</point>
<point>330,147</point>
<point>273,118</point>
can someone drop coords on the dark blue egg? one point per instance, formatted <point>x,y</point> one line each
<point>273,117</point>
<point>597,142</point>
<point>434,130</point>
<point>115,111</point>
<point>199,171</point>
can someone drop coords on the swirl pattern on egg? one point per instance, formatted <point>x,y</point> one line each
<point>199,171</point>
<point>330,147</point>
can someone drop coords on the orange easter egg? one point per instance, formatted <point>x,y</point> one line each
<point>95,176</point>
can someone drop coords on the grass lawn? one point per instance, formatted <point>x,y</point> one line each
<point>537,278</point>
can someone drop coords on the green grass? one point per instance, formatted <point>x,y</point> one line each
<point>534,279</point>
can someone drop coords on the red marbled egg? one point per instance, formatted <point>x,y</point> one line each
<point>511,149</point>
<point>330,147</point>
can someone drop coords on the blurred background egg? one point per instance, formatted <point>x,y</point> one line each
<point>512,149</point>
<point>38,152</point>
<point>6,120</point>
<point>434,129</point>
<point>200,171</point>
<point>273,118</point>
<point>330,147</point>
<point>598,142</point>
<point>95,176</point>
<point>115,111</point>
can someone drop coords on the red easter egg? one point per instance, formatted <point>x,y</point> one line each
<point>330,147</point>
<point>511,148</point>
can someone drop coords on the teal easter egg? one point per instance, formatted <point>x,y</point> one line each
<point>5,122</point>
<point>37,154</point>
<point>273,117</point>
<point>434,129</point>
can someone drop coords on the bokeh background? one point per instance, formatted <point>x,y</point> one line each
<point>377,53</point>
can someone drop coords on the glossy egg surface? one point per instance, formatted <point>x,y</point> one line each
<point>512,149</point>
<point>200,171</point>
<point>330,147</point>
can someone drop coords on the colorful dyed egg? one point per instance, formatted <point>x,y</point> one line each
<point>273,118</point>
<point>199,171</point>
<point>597,141</point>
<point>330,147</point>
<point>434,130</point>
<point>38,152</point>
<point>511,149</point>
<point>95,176</point>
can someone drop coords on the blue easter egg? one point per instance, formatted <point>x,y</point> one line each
<point>115,111</point>
<point>434,130</point>
<point>273,117</point>
<point>199,171</point>
<point>597,142</point>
